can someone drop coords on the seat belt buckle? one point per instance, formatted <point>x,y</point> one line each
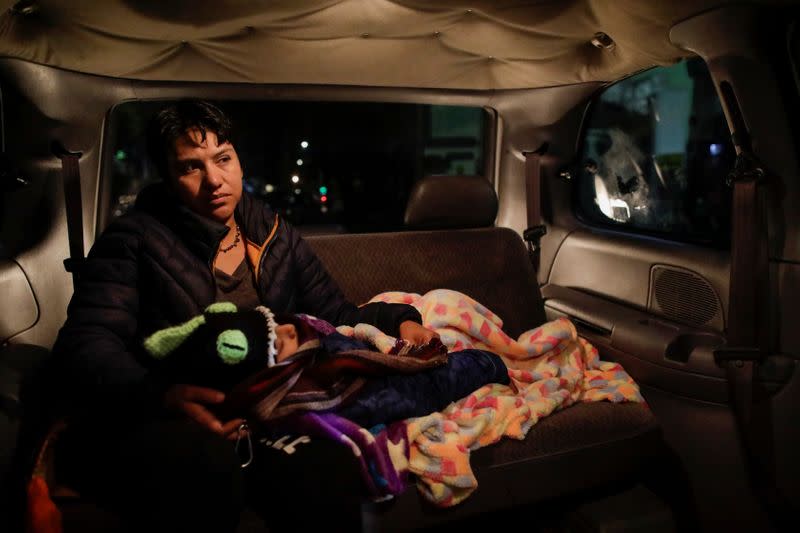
<point>737,355</point>
<point>533,236</point>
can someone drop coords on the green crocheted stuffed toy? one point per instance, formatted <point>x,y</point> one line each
<point>217,349</point>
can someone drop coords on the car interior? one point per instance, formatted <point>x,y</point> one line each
<point>629,166</point>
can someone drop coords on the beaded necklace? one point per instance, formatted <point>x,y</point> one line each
<point>235,242</point>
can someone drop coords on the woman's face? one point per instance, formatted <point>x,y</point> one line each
<point>207,176</point>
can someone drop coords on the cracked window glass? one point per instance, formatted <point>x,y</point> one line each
<point>656,153</point>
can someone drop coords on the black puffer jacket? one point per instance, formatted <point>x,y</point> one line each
<point>153,268</point>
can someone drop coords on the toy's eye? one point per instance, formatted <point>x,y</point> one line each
<point>232,346</point>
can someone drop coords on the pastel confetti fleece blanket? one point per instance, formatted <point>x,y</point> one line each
<point>550,368</point>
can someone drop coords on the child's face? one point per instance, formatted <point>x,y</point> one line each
<point>287,343</point>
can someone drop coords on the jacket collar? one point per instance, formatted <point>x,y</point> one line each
<point>200,234</point>
<point>255,219</point>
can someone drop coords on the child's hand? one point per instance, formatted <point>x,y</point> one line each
<point>415,333</point>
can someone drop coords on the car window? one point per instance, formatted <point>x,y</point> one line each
<point>329,166</point>
<point>656,153</point>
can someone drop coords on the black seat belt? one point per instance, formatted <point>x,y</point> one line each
<point>71,175</point>
<point>533,188</point>
<point>748,331</point>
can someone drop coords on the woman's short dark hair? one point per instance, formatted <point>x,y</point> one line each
<point>175,120</point>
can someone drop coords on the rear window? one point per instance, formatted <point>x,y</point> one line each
<point>326,166</point>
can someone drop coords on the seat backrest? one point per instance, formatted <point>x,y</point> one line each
<point>489,264</point>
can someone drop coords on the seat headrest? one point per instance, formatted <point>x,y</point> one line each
<point>442,202</point>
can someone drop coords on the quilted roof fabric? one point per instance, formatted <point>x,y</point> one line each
<point>453,44</point>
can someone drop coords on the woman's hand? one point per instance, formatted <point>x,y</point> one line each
<point>415,333</point>
<point>191,401</point>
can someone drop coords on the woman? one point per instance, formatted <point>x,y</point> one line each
<point>154,450</point>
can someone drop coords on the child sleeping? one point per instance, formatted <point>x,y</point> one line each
<point>273,365</point>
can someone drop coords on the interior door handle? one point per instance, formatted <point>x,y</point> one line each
<point>589,326</point>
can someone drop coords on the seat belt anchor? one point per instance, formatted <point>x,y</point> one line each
<point>539,151</point>
<point>746,169</point>
<point>61,152</point>
<point>533,236</point>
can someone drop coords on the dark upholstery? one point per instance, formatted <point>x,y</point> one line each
<point>582,447</point>
<point>491,265</point>
<point>440,202</point>
<point>578,426</point>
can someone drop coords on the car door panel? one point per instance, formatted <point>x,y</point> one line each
<point>650,325</point>
<point>621,266</point>
<point>655,351</point>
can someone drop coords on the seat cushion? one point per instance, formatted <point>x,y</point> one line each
<point>588,445</point>
<point>575,428</point>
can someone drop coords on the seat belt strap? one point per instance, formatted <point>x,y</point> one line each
<point>748,339</point>
<point>71,176</point>
<point>748,323</point>
<point>747,313</point>
<point>533,192</point>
